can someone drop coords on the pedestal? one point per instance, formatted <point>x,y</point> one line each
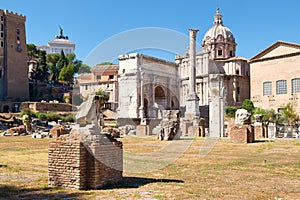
<point>142,130</point>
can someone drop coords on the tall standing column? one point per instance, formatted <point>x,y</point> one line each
<point>192,100</point>
<point>193,33</point>
<point>141,109</point>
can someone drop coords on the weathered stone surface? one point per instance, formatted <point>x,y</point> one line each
<point>242,117</point>
<point>58,130</point>
<point>45,106</point>
<point>169,126</point>
<point>194,131</point>
<point>241,134</point>
<point>16,130</point>
<point>260,131</point>
<point>142,130</point>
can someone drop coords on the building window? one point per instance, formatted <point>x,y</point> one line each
<point>267,88</point>
<point>296,85</point>
<point>123,71</point>
<point>86,87</point>
<point>231,53</point>
<point>1,27</point>
<point>219,52</point>
<point>237,72</point>
<point>1,34</point>
<point>111,76</point>
<point>0,73</point>
<point>18,38</point>
<point>281,87</point>
<point>238,90</point>
<point>98,77</point>
<point>18,48</point>
<point>107,85</point>
<point>2,19</point>
<point>1,44</point>
<point>18,31</point>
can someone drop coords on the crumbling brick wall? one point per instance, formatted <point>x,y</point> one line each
<point>71,164</point>
<point>241,134</point>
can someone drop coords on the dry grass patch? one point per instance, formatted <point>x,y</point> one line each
<point>262,170</point>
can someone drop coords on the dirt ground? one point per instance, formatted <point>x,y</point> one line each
<point>182,169</point>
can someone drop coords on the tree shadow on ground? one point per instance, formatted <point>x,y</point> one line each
<point>136,182</point>
<point>16,193</point>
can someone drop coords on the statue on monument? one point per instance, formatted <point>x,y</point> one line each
<point>61,34</point>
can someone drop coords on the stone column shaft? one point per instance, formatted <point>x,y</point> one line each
<point>192,78</point>
<point>141,109</point>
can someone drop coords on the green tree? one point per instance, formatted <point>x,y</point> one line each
<point>32,51</point>
<point>52,60</point>
<point>62,62</point>
<point>106,63</point>
<point>230,111</point>
<point>268,115</point>
<point>289,114</point>
<point>104,96</point>
<point>42,70</point>
<point>76,63</point>
<point>248,105</point>
<point>84,68</point>
<point>66,73</point>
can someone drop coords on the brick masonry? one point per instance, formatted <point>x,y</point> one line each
<point>76,165</point>
<point>241,134</point>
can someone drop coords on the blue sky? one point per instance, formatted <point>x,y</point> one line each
<point>256,24</point>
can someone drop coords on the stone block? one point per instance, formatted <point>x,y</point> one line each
<point>194,131</point>
<point>142,130</point>
<point>260,132</point>
<point>184,126</point>
<point>242,134</point>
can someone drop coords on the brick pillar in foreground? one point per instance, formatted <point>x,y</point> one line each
<point>72,164</point>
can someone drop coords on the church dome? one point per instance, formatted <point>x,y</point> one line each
<point>219,40</point>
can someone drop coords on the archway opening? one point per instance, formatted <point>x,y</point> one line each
<point>146,108</point>
<point>160,96</point>
<point>6,108</point>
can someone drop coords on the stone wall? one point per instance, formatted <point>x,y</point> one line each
<point>71,164</point>
<point>45,106</point>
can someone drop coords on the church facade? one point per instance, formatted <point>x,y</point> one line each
<point>218,56</point>
<point>148,85</point>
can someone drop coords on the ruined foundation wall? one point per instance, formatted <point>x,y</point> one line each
<point>73,165</point>
<point>66,164</point>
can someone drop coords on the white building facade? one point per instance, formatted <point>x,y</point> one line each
<point>60,43</point>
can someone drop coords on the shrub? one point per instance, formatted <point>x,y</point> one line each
<point>248,105</point>
<point>41,116</point>
<point>28,112</point>
<point>69,118</point>
<point>230,111</point>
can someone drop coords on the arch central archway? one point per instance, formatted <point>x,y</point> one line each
<point>160,96</point>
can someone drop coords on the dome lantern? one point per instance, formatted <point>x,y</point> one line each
<point>219,40</point>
